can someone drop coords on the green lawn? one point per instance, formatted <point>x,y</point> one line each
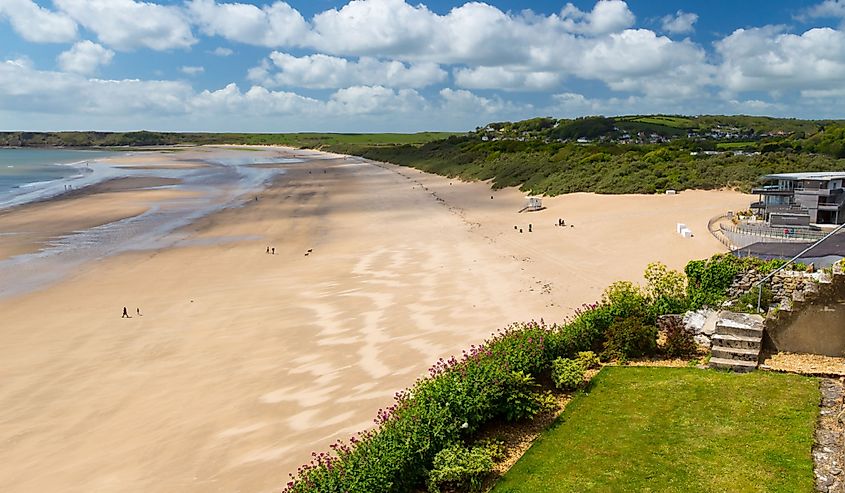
<point>646,429</point>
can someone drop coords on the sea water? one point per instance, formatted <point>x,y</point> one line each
<point>32,174</point>
<point>226,179</point>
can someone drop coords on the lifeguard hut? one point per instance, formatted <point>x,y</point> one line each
<point>534,204</point>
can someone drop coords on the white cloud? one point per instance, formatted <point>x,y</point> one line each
<point>273,25</point>
<point>324,71</point>
<point>522,51</point>
<point>506,78</point>
<point>828,8</point>
<point>607,16</point>
<point>162,104</point>
<point>37,24</point>
<point>191,70</point>
<point>375,99</point>
<point>463,101</point>
<point>256,101</point>
<point>768,59</point>
<point>376,27</point>
<point>24,88</point>
<point>574,104</point>
<point>680,23</point>
<point>222,52</point>
<point>85,57</point>
<point>128,24</point>
<point>637,60</point>
<point>754,106</point>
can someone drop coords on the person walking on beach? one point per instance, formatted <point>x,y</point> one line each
<point>138,311</point>
<point>268,249</point>
<point>273,250</point>
<point>125,313</point>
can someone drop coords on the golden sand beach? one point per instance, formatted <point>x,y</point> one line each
<point>244,362</point>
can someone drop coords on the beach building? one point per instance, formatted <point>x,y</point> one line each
<point>801,199</point>
<point>534,204</point>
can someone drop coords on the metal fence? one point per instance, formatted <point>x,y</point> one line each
<point>717,233</point>
<point>785,233</point>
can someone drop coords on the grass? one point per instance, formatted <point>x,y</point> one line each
<point>735,145</point>
<point>677,429</point>
<point>669,121</point>
<point>307,139</point>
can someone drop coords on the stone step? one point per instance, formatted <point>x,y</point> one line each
<point>737,342</point>
<point>728,327</point>
<point>733,365</point>
<point>735,353</point>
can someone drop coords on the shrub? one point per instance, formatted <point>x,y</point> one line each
<point>709,280</point>
<point>460,468</point>
<point>567,374</point>
<point>458,397</point>
<point>666,288</point>
<point>588,360</point>
<point>495,447</point>
<point>629,338</point>
<point>522,400</point>
<point>748,301</point>
<point>625,300</point>
<point>679,341</point>
<point>584,333</point>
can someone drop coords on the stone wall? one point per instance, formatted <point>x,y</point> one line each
<point>786,285</point>
<point>809,316</point>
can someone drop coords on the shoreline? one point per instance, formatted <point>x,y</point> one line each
<point>141,202</point>
<point>243,362</point>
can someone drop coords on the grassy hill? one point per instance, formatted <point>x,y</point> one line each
<point>143,138</point>
<point>556,168</point>
<point>623,154</point>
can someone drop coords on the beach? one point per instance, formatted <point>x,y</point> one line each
<point>241,363</point>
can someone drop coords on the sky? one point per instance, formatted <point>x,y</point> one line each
<point>394,66</point>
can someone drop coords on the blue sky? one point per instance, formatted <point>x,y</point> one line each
<point>390,65</point>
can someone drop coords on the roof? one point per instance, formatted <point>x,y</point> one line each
<point>835,245</point>
<point>822,175</point>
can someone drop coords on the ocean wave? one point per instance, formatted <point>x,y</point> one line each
<point>37,183</point>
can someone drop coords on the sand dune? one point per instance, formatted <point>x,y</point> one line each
<point>244,362</point>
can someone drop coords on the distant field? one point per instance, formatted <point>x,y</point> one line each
<point>315,139</point>
<point>144,138</point>
<point>677,429</point>
<point>735,145</point>
<point>669,121</point>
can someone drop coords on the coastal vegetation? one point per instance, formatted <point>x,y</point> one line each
<point>144,138</point>
<point>626,154</point>
<point>553,168</point>
<point>430,436</point>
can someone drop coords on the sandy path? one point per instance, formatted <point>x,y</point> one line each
<point>243,362</point>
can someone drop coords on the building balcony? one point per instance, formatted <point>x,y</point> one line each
<point>771,190</point>
<point>820,192</point>
<point>830,206</point>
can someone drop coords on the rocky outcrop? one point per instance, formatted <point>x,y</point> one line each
<point>702,324</point>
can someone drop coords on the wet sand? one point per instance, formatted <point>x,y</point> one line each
<point>244,362</point>
<point>30,227</point>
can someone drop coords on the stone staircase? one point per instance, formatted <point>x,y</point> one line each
<point>737,342</point>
